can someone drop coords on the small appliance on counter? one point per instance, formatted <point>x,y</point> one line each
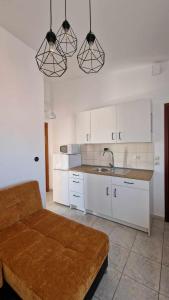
<point>61,164</point>
<point>70,149</point>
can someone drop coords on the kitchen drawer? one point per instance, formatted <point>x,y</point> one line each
<point>132,183</point>
<point>76,185</point>
<point>77,200</point>
<point>76,175</point>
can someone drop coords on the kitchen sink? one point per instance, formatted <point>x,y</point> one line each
<point>115,171</point>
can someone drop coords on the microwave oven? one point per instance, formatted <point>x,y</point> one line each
<point>70,149</point>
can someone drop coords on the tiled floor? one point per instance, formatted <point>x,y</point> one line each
<point>138,264</point>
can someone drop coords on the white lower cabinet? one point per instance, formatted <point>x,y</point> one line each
<point>97,191</point>
<point>131,205</point>
<point>126,201</point>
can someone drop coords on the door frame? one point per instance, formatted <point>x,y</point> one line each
<point>166,159</point>
<point>46,156</point>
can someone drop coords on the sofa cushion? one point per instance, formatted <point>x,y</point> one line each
<point>19,201</point>
<point>52,257</point>
<point>88,241</point>
<point>9,216</point>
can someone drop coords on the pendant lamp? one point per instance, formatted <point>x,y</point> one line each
<point>50,58</point>
<point>66,37</point>
<point>91,56</point>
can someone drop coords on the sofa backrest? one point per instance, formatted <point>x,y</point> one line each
<point>19,201</point>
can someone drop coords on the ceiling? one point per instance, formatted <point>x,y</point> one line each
<point>132,32</point>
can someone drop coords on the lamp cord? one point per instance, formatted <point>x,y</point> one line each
<point>65,9</point>
<point>50,14</point>
<point>90,14</point>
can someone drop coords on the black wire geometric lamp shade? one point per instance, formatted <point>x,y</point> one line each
<point>50,58</point>
<point>67,38</point>
<point>91,56</point>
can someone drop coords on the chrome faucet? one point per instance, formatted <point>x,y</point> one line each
<point>106,150</point>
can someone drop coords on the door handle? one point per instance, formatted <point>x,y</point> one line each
<point>120,136</point>
<point>76,196</point>
<point>115,193</point>
<point>107,191</point>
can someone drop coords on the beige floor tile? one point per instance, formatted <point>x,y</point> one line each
<point>148,247</point>
<point>158,223</point>
<point>165,256</point>
<point>58,209</point>
<point>118,256</point>
<point>123,236</point>
<point>143,270</point>
<point>104,225</point>
<point>129,289</point>
<point>161,297</point>
<point>166,226</point>
<point>85,219</point>
<point>156,234</point>
<point>108,285</point>
<point>164,284</point>
<point>166,238</point>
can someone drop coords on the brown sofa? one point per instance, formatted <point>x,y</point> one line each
<point>44,255</point>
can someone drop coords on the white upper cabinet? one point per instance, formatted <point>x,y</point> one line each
<point>134,122</point>
<point>128,122</point>
<point>83,127</point>
<point>103,125</point>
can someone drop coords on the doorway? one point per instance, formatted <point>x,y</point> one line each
<point>46,156</point>
<point>166,149</point>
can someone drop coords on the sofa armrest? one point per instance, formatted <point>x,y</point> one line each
<point>1,275</point>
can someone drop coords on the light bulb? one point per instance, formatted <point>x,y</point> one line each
<point>51,47</point>
<point>91,45</point>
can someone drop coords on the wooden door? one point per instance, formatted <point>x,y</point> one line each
<point>47,157</point>
<point>166,142</point>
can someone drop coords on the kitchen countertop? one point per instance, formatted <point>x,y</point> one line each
<point>137,174</point>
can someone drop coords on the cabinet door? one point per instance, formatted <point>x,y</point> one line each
<point>97,190</point>
<point>130,205</point>
<point>103,125</point>
<point>83,132</point>
<point>134,121</point>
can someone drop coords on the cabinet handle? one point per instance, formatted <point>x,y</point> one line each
<point>107,191</point>
<point>112,136</point>
<point>87,137</point>
<point>76,175</point>
<point>120,136</point>
<point>76,196</point>
<point>115,193</point>
<point>75,181</point>
<point>127,182</point>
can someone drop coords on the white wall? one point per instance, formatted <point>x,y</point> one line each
<point>91,91</point>
<point>21,114</point>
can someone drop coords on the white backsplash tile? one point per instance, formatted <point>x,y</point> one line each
<point>134,155</point>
